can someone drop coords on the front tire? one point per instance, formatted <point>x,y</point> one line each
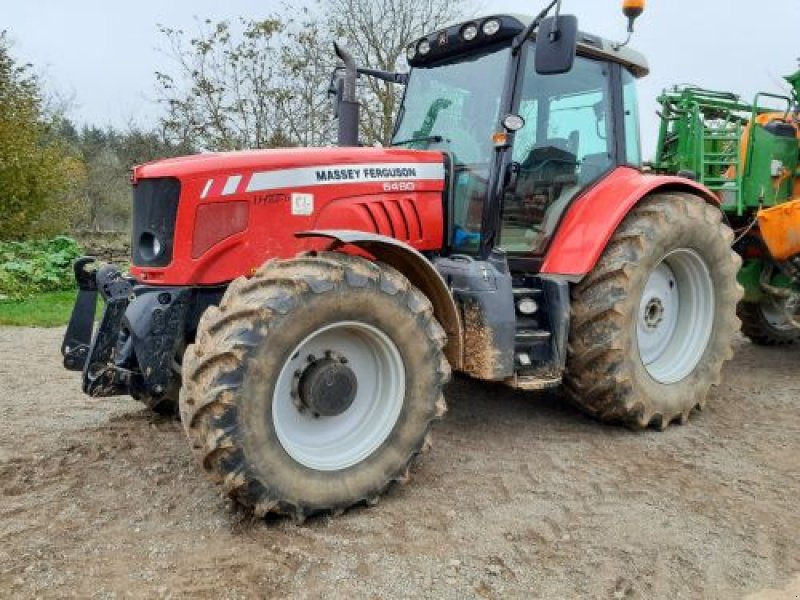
<point>654,321</point>
<point>314,384</point>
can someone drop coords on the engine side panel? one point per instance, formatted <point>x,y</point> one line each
<point>594,217</point>
<point>259,206</point>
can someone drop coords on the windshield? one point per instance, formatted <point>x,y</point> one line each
<point>454,106</point>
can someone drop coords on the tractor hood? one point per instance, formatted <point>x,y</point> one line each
<point>217,216</point>
<point>334,160</point>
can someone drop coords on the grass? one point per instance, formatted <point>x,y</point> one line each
<point>49,309</point>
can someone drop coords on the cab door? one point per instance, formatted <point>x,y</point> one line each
<point>566,144</point>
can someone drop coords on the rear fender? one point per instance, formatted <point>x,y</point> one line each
<point>593,218</point>
<point>419,271</point>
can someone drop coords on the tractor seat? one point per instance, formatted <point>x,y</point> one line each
<point>552,155</point>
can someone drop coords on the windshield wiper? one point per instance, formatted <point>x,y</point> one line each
<point>425,138</point>
<point>400,78</point>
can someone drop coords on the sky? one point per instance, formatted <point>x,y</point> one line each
<point>103,54</point>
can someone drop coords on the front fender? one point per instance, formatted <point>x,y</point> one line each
<point>419,271</point>
<point>593,218</point>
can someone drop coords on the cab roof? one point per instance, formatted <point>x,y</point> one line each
<point>449,41</point>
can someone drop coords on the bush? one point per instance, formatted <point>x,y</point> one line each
<point>32,267</point>
<point>40,175</point>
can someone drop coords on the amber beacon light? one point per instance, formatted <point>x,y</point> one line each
<point>632,9</point>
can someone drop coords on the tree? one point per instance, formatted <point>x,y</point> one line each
<point>307,61</point>
<point>264,83</point>
<point>109,155</point>
<point>37,171</point>
<point>227,93</point>
<point>107,188</point>
<point>135,145</point>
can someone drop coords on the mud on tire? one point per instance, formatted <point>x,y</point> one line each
<point>232,400</point>
<point>606,371</point>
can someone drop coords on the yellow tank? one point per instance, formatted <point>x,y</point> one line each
<point>780,228</point>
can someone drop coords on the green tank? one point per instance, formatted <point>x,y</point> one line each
<point>768,172</point>
<point>749,155</point>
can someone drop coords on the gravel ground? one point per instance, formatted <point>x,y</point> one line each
<point>521,497</point>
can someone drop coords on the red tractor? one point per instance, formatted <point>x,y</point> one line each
<point>304,307</point>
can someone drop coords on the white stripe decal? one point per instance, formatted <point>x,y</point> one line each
<point>207,189</point>
<point>336,174</point>
<point>231,185</point>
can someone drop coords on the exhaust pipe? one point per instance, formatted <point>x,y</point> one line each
<point>348,105</point>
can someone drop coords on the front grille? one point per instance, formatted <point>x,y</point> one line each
<point>155,209</point>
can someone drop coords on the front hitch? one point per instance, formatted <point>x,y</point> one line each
<point>92,354</point>
<point>78,338</point>
<point>100,376</point>
<point>133,348</point>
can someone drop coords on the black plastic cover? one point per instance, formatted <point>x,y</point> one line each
<point>155,209</point>
<point>449,42</point>
<point>483,293</point>
<point>781,129</point>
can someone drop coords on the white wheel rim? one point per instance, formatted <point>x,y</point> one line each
<point>676,316</point>
<point>331,443</point>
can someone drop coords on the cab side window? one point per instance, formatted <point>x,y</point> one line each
<point>564,146</point>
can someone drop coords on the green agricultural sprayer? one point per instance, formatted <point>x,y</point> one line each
<point>749,155</point>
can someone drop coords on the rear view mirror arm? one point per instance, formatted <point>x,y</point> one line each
<point>522,37</point>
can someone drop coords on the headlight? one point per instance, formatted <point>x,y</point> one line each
<point>513,122</point>
<point>491,27</point>
<point>527,306</point>
<point>150,246</point>
<point>469,32</point>
<point>424,47</point>
<point>411,52</point>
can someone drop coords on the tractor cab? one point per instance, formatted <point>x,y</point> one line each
<point>521,144</point>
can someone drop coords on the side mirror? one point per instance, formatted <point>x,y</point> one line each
<point>556,45</point>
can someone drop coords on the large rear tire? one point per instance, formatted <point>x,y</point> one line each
<point>768,323</point>
<point>654,321</point>
<point>314,384</point>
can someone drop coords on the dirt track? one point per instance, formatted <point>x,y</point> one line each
<point>521,497</point>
